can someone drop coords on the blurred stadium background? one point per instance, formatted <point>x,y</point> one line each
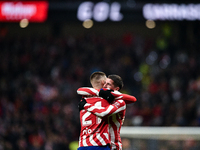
<point>49,49</point>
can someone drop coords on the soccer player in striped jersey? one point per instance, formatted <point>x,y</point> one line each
<point>115,111</point>
<point>94,133</point>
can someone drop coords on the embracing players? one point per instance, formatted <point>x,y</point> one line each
<point>101,121</point>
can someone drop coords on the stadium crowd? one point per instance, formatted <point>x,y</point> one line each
<point>39,77</point>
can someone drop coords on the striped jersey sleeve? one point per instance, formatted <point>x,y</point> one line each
<point>116,107</point>
<point>87,91</point>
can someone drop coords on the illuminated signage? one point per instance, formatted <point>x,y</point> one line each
<point>34,11</point>
<point>100,11</point>
<point>171,11</point>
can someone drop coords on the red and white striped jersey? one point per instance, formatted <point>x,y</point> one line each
<point>94,130</point>
<point>116,115</point>
<point>115,112</point>
<point>87,91</point>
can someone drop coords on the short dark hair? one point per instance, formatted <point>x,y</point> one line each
<point>117,81</point>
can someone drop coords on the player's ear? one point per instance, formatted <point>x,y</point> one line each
<point>102,82</point>
<point>117,88</point>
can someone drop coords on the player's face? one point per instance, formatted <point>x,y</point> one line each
<point>109,84</point>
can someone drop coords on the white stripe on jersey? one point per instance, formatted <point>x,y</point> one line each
<point>121,101</point>
<point>92,141</point>
<point>95,91</point>
<point>83,93</point>
<point>100,139</point>
<point>116,122</point>
<point>118,126</point>
<point>103,113</point>
<point>84,141</point>
<point>87,104</point>
<point>106,135</point>
<point>112,137</point>
<point>118,110</point>
<point>120,97</point>
<point>120,146</point>
<point>79,143</point>
<point>86,93</point>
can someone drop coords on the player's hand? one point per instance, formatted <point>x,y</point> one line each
<point>107,95</point>
<point>81,104</point>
